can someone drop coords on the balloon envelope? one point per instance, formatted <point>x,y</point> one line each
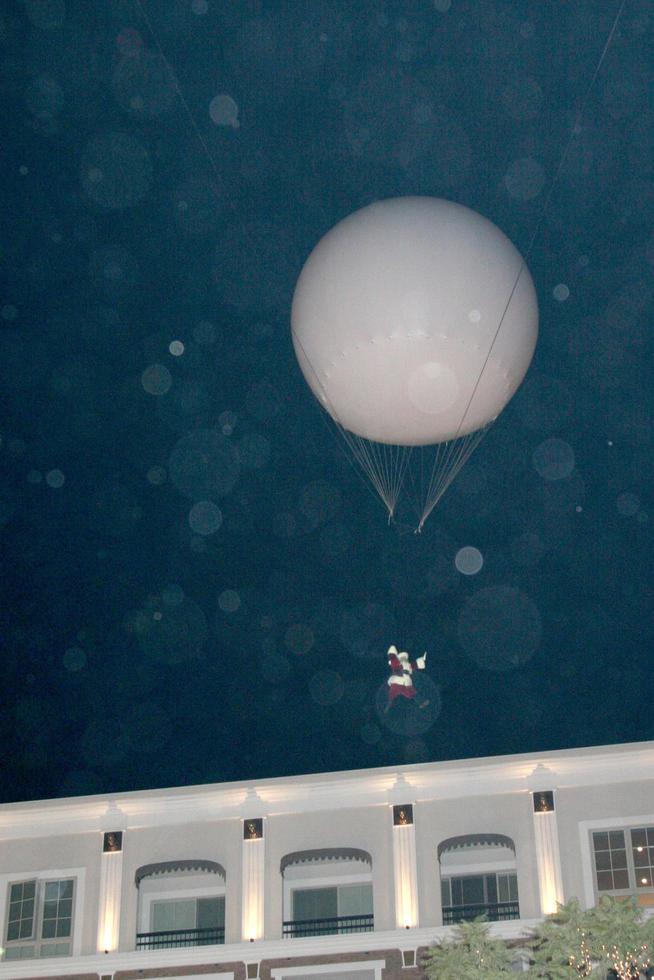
<point>395,321</point>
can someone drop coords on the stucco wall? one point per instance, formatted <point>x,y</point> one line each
<point>219,842</point>
<point>508,814</point>
<point>626,801</point>
<point>22,857</point>
<point>366,828</point>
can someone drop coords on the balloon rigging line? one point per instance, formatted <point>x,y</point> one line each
<point>417,480</point>
<point>574,131</point>
<point>447,465</point>
<point>449,472</point>
<point>369,468</point>
<point>387,464</point>
<point>387,472</point>
<point>182,99</point>
<point>359,450</point>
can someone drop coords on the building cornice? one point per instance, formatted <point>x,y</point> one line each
<point>421,783</point>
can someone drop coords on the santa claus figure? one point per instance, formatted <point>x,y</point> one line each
<point>400,683</point>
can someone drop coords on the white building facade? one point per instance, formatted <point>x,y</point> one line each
<point>340,876</point>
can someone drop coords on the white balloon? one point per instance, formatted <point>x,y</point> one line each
<point>394,315</point>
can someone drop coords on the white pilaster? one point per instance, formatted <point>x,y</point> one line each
<point>406,878</point>
<point>253,885</point>
<point>548,859</point>
<point>111,879</point>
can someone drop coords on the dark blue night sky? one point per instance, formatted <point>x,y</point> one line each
<point>167,167</point>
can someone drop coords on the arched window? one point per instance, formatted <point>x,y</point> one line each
<point>181,903</point>
<point>478,877</point>
<point>327,891</point>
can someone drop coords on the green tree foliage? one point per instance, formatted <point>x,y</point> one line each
<point>561,947</point>
<point>611,940</point>
<point>621,940</point>
<point>469,955</point>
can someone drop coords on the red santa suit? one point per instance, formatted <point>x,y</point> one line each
<point>400,683</point>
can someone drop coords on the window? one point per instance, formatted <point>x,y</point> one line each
<point>199,920</point>
<point>181,903</point>
<point>39,918</point>
<point>467,896</point>
<point>624,859</point>
<point>478,877</point>
<point>327,891</point>
<point>344,908</point>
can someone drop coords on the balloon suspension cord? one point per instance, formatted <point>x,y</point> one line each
<point>387,479</point>
<point>574,131</point>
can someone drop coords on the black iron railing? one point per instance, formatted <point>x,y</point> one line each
<point>328,927</point>
<point>180,937</point>
<point>496,912</point>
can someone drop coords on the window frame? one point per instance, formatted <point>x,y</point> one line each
<point>495,871</point>
<point>633,888</point>
<point>177,898</point>
<point>326,881</point>
<point>586,827</point>
<point>329,887</point>
<point>355,966</point>
<point>32,936</point>
<point>215,890</point>
<point>36,938</point>
<point>228,975</point>
<point>41,877</point>
<point>44,884</point>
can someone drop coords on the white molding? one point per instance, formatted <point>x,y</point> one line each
<point>48,874</point>
<point>548,861</point>
<point>485,867</point>
<point>194,976</point>
<point>606,823</point>
<point>288,949</point>
<point>315,881</point>
<point>294,971</point>
<point>319,968</point>
<point>331,791</point>
<point>253,881</point>
<point>109,899</point>
<point>405,876</point>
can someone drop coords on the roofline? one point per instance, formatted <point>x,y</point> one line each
<point>559,768</point>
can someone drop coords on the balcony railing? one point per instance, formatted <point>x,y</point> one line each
<point>498,912</point>
<point>328,927</point>
<point>180,937</point>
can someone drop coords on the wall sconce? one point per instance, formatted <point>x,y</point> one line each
<point>112,842</point>
<point>403,815</point>
<point>253,829</point>
<point>544,801</point>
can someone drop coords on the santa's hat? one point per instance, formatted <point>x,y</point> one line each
<point>404,655</point>
<point>392,650</point>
